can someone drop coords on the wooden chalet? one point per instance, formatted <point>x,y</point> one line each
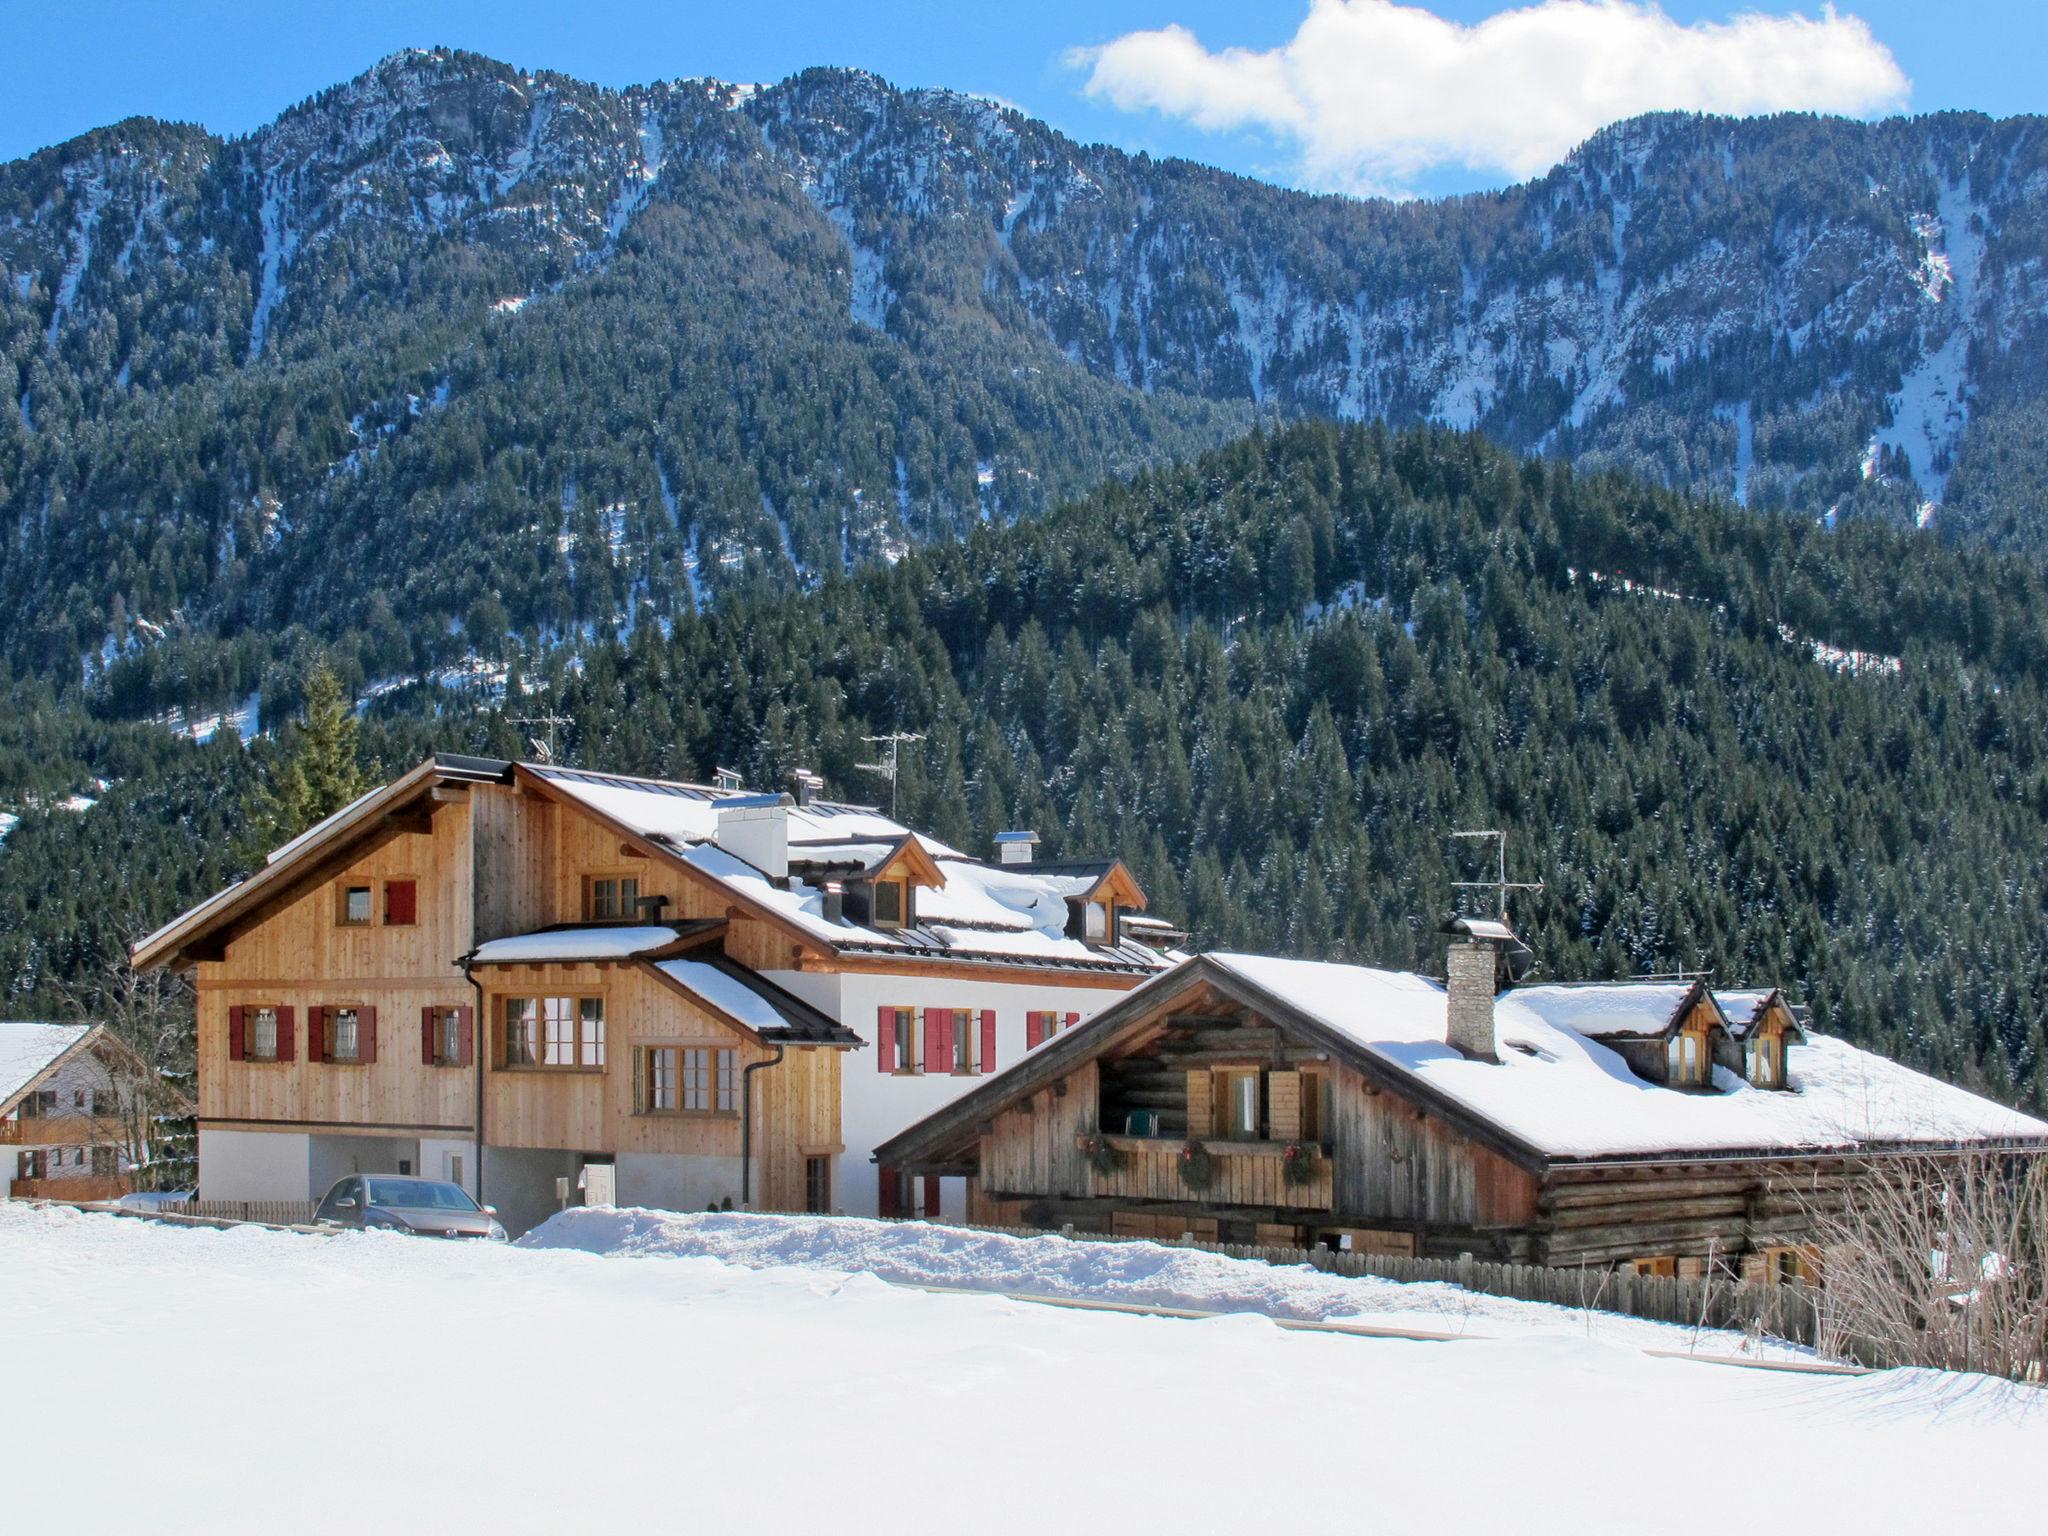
<point>77,1107</point>
<point>525,977</point>
<point>1247,1099</point>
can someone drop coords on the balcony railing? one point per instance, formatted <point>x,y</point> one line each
<point>1242,1173</point>
<point>62,1131</point>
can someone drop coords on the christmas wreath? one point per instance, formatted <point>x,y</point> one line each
<point>1197,1167</point>
<point>1102,1157</point>
<point>1298,1162</point>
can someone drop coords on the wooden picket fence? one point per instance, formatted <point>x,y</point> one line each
<point>1788,1312</point>
<point>267,1213</point>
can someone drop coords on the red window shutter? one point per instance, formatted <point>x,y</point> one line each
<point>988,1039</point>
<point>316,1034</point>
<point>885,1040</point>
<point>401,902</point>
<point>938,1040</point>
<point>888,1191</point>
<point>931,1194</point>
<point>284,1034</point>
<point>1034,1030</point>
<point>465,1035</point>
<point>1073,1019</point>
<point>366,1035</point>
<point>236,1047</point>
<point>427,1056</point>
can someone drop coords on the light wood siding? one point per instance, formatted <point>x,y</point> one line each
<point>1396,1162</point>
<point>514,835</point>
<point>1246,1173</point>
<point>1032,1149</point>
<point>797,1102</point>
<point>301,958</point>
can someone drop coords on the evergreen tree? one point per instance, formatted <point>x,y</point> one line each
<point>318,770</point>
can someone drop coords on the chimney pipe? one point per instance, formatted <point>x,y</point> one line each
<point>803,784</point>
<point>1016,847</point>
<point>1474,980</point>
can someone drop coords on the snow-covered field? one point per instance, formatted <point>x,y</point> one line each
<point>174,1379</point>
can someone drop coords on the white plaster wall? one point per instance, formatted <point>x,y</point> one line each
<point>255,1165</point>
<point>671,1182</point>
<point>435,1153</point>
<point>336,1157</point>
<point>873,1105</point>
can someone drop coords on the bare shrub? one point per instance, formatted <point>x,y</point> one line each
<point>1939,1260</point>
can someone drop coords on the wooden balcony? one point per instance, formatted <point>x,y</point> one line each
<point>84,1187</point>
<point>1251,1173</point>
<point>62,1131</point>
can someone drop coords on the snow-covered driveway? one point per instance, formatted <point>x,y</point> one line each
<point>165,1378</point>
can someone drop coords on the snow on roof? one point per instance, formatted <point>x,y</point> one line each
<point>1562,1093</point>
<point>1605,1009</point>
<point>1014,912</point>
<point>27,1050</point>
<point>605,943</point>
<point>724,992</point>
<point>1741,1006</point>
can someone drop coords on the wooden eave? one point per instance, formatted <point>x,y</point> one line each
<point>745,1031</point>
<point>908,860</point>
<point>1120,886</point>
<point>648,847</point>
<point>406,805</point>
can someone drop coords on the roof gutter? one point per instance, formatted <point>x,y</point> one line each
<point>747,1123</point>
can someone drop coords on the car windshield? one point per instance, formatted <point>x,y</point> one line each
<point>420,1194</point>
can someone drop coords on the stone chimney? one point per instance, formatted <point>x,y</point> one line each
<point>755,828</point>
<point>1016,847</point>
<point>1474,979</point>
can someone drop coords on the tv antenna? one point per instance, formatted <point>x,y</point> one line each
<point>893,741</point>
<point>544,750</point>
<point>1500,884</point>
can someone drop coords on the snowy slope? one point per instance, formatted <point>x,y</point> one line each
<point>486,1388</point>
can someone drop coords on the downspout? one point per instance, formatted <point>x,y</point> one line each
<point>477,1036</point>
<point>747,1124</point>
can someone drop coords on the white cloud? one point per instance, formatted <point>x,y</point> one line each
<point>1374,93</point>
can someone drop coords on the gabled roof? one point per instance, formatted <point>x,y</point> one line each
<point>33,1052</point>
<point>1088,880</point>
<point>407,803</point>
<point>1556,1095</point>
<point>1606,1010</point>
<point>1746,1008</point>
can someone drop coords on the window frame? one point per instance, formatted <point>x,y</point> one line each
<point>908,1037</point>
<point>1679,1072</point>
<point>447,1034</point>
<point>1318,1105</point>
<point>552,1024</point>
<point>624,909</point>
<point>251,1013</point>
<point>1225,1100</point>
<point>900,891</point>
<point>966,1061</point>
<point>330,1034</point>
<point>343,889</point>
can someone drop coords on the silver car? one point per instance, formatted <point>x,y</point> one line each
<point>389,1202</point>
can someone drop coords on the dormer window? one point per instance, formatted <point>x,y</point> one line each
<point>1095,919</point>
<point>1766,1061</point>
<point>890,904</point>
<point>1685,1060</point>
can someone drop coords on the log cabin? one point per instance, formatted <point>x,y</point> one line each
<point>524,977</point>
<point>1669,1127</point>
<point>77,1106</point>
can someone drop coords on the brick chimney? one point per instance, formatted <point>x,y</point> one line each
<point>1474,979</point>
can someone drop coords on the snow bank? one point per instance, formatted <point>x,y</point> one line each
<point>1128,1273</point>
<point>475,1387</point>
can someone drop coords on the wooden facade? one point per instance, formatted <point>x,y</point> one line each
<point>1103,1130</point>
<point>448,867</point>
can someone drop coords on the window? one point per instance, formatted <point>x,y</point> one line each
<point>1317,1106</point>
<point>898,1042</point>
<point>658,1080</point>
<point>261,1041</point>
<point>1765,1069</point>
<point>444,1043</point>
<point>353,910</point>
<point>728,1082</point>
<point>696,1081</point>
<point>1663,1268</point>
<point>889,904</point>
<point>1240,1104</point>
<point>344,1034</point>
<point>1095,921</point>
<point>611,898</point>
<point>401,903</point>
<point>562,1032</point>
<point>1040,1026</point>
<point>818,1185</point>
<point>964,1034</point>
<point>1684,1060</point>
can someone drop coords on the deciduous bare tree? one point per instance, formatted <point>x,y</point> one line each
<point>1941,1260</point>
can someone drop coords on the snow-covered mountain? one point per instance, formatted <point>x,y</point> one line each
<point>623,345</point>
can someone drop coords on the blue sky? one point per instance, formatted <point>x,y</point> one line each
<point>232,66</point>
